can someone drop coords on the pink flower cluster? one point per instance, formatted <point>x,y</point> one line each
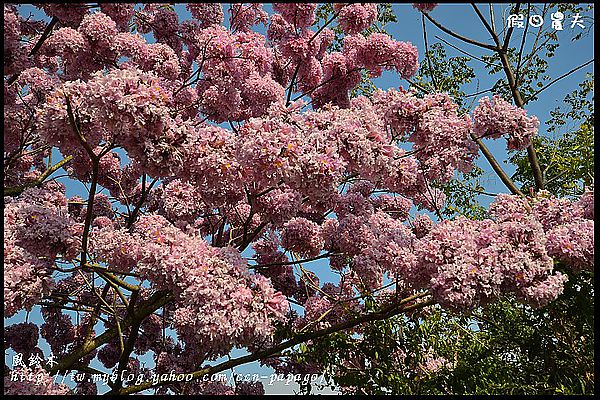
<point>586,202</point>
<point>209,161</point>
<point>32,382</point>
<point>441,138</point>
<point>354,18</point>
<point>396,206</point>
<point>243,16</point>
<point>218,303</point>
<point>250,388</point>
<point>496,117</point>
<point>58,330</point>
<point>274,264</point>
<point>302,236</point>
<point>15,56</point>
<point>115,108</point>
<point>206,13</point>
<point>573,243</point>
<point>99,29</point>
<point>72,49</point>
<point>566,223</point>
<point>432,364</point>
<point>177,201</point>
<point>121,13</point>
<point>272,151</point>
<point>422,225</point>
<point>279,205</point>
<point>326,305</point>
<point>340,74</point>
<point>22,338</point>
<point>378,52</point>
<point>370,238</point>
<point>425,7</point>
<point>26,279</point>
<point>237,80</point>
<point>37,230</point>
<point>299,15</point>
<point>68,15</point>
<point>467,263</point>
<point>300,53</point>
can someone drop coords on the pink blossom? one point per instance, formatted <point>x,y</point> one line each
<point>66,42</point>
<point>354,18</point>
<point>466,263</point>
<point>57,329</point>
<point>378,52</point>
<point>15,383</point>
<point>120,13</point>
<point>543,292</point>
<point>586,202</point>
<point>422,225</point>
<point>573,243</point>
<point>431,364</point>
<point>496,117</point>
<point>99,29</point>
<point>279,205</point>
<point>69,15</point>
<point>244,15</point>
<point>22,337</point>
<point>340,74</point>
<point>441,138</point>
<point>219,304</point>
<point>250,388</point>
<point>299,15</point>
<point>425,7</point>
<point>302,236</point>
<point>207,13</point>
<point>396,206</point>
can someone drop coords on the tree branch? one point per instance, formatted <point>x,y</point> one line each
<point>155,301</point>
<point>497,168</point>
<point>487,25</point>
<point>532,156</point>
<point>37,46</point>
<point>510,30</point>
<point>387,312</point>
<point>552,82</point>
<point>456,35</point>
<point>17,190</point>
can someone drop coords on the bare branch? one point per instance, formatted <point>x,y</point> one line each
<point>556,80</point>
<point>456,35</point>
<point>497,168</point>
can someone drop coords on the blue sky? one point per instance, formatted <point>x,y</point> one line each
<point>462,19</point>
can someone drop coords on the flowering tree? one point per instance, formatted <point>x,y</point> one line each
<point>220,162</point>
<point>505,346</point>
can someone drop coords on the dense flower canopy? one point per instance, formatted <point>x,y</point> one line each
<point>217,158</point>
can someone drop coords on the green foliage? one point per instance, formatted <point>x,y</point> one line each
<point>567,157</point>
<point>519,350</point>
<point>462,195</point>
<point>450,75</point>
<point>504,348</point>
<point>441,73</point>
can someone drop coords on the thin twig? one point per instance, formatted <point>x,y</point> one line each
<point>460,37</point>
<point>556,80</point>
